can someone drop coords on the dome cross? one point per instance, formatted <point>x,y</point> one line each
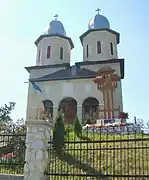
<point>56,16</point>
<point>98,10</point>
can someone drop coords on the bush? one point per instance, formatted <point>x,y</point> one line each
<point>59,135</point>
<point>77,127</point>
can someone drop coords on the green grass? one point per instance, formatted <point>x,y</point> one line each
<point>127,158</point>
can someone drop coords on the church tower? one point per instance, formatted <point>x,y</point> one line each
<point>99,41</point>
<point>100,55</point>
<point>53,47</point>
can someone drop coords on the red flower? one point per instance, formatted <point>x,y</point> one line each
<point>9,155</point>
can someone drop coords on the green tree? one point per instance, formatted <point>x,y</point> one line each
<point>77,127</point>
<point>59,135</point>
<point>5,116</point>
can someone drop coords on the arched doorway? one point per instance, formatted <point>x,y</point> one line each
<point>47,110</point>
<point>68,107</point>
<point>90,109</point>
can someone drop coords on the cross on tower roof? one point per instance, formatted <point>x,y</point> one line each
<point>56,16</point>
<point>98,10</point>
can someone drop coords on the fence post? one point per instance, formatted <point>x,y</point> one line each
<point>36,157</point>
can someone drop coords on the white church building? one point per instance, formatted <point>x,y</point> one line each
<point>55,85</point>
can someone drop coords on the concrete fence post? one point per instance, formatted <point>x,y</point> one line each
<point>36,157</point>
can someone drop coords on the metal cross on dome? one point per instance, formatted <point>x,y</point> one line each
<point>56,16</point>
<point>98,10</point>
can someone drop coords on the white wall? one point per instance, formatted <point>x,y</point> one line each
<point>55,42</point>
<point>91,40</point>
<point>58,90</point>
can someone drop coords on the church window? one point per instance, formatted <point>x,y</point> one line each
<point>98,47</point>
<point>61,53</point>
<point>39,56</point>
<point>111,48</point>
<point>49,52</point>
<point>87,53</point>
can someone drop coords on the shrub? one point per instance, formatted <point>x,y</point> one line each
<point>59,135</point>
<point>77,127</point>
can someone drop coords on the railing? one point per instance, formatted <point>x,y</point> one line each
<point>101,156</point>
<point>12,153</point>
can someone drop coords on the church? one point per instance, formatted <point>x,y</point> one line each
<point>90,89</point>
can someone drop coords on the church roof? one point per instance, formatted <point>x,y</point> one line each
<point>73,72</point>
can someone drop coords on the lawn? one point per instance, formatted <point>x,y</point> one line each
<point>97,153</point>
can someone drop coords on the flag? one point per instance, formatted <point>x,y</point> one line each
<point>36,87</point>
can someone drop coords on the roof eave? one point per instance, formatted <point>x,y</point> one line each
<point>46,35</point>
<point>92,30</point>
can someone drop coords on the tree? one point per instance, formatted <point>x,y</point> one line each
<point>5,118</point>
<point>147,125</point>
<point>59,135</point>
<point>77,127</point>
<point>123,116</point>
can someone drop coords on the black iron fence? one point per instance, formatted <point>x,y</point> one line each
<point>101,155</point>
<point>12,152</point>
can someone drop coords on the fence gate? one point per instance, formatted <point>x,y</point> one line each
<point>106,153</point>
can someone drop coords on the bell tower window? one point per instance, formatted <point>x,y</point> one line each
<point>48,51</point>
<point>61,53</point>
<point>98,47</point>
<point>111,48</point>
<point>39,56</point>
<point>87,53</point>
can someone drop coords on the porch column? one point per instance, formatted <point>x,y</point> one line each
<point>79,112</point>
<point>55,112</point>
<point>36,157</point>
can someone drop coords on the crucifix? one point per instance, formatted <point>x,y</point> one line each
<point>56,16</point>
<point>98,10</point>
<point>107,82</point>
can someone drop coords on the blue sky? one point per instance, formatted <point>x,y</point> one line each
<point>23,21</point>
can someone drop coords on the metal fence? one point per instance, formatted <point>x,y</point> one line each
<point>101,155</point>
<point>12,152</point>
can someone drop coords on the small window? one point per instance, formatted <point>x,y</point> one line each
<point>98,47</point>
<point>49,52</point>
<point>87,54</point>
<point>61,53</point>
<point>111,48</point>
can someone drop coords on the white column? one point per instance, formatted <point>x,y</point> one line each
<point>55,112</point>
<point>79,112</point>
<point>36,157</point>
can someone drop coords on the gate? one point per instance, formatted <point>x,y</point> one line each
<point>102,153</point>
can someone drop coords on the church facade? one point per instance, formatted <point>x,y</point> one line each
<point>56,86</point>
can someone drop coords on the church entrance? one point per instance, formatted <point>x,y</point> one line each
<point>68,108</point>
<point>90,110</point>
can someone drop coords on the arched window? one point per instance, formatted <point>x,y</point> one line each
<point>111,48</point>
<point>48,51</point>
<point>61,53</point>
<point>87,53</point>
<point>48,107</point>
<point>98,47</point>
